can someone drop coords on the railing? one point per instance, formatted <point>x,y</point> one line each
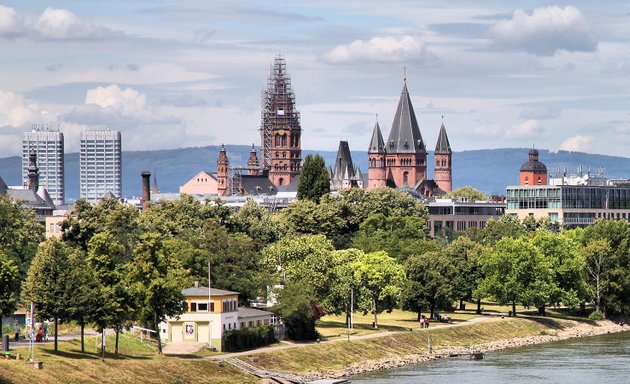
<point>143,333</point>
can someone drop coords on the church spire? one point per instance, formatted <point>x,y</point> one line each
<point>377,145</point>
<point>443,146</point>
<point>405,136</point>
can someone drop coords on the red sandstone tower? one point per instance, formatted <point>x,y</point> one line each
<point>377,173</point>
<point>533,172</point>
<point>252,162</point>
<point>443,166</point>
<point>280,131</point>
<point>222,172</point>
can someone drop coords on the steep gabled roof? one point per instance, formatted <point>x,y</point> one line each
<point>343,165</point>
<point>377,145</point>
<point>405,136</point>
<point>443,147</point>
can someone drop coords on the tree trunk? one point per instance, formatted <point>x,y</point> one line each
<point>461,304</point>
<point>514,308</point>
<point>479,306</point>
<point>374,310</point>
<point>432,311</point>
<point>82,335</point>
<point>541,310</point>
<point>117,332</point>
<point>419,315</point>
<point>0,327</point>
<point>582,308</point>
<point>597,295</point>
<point>157,333</point>
<point>103,343</point>
<point>56,329</point>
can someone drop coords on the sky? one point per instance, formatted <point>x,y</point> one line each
<point>182,73</point>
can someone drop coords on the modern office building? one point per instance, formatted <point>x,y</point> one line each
<point>460,215</point>
<point>100,164</point>
<point>570,201</point>
<point>48,147</point>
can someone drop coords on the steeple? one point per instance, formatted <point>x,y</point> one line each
<point>155,189</point>
<point>222,171</point>
<point>377,145</point>
<point>443,146</point>
<point>405,136</point>
<point>252,162</point>
<point>33,173</point>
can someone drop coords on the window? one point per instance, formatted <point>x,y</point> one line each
<point>193,307</point>
<point>202,307</point>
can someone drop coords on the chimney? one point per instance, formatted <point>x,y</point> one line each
<point>196,284</point>
<point>146,190</point>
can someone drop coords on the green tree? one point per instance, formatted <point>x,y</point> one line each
<point>156,279</point>
<point>257,223</point>
<point>9,287</point>
<point>20,233</point>
<point>464,255</point>
<point>495,230</point>
<point>382,276</point>
<point>82,293</point>
<point>598,255</point>
<point>343,282</point>
<point>299,310</point>
<point>48,280</point>
<point>314,179</point>
<point>468,193</point>
<point>429,282</point>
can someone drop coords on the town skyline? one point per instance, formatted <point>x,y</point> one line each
<point>190,74</point>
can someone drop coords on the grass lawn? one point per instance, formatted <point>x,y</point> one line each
<point>138,363</point>
<point>334,326</point>
<point>336,355</point>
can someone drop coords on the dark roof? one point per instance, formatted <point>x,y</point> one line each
<point>245,312</point>
<point>533,166</point>
<point>344,168</point>
<point>377,145</point>
<point>257,185</point>
<point>443,147</point>
<point>292,187</point>
<point>405,136</point>
<point>203,291</point>
<point>3,187</point>
<point>31,199</point>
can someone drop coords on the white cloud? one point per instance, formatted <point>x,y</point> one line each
<point>112,98</point>
<point>384,49</point>
<point>525,130</point>
<point>59,24</point>
<point>577,143</point>
<point>17,112</point>
<point>11,25</point>
<point>545,31</point>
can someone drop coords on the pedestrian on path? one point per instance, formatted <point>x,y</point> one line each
<point>17,331</point>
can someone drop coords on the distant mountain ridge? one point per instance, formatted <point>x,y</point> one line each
<point>489,170</point>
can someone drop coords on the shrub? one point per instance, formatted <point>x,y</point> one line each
<point>248,338</point>
<point>596,315</point>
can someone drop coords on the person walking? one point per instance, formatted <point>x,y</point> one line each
<point>426,323</point>
<point>17,331</point>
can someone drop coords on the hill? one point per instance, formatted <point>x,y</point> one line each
<point>489,170</point>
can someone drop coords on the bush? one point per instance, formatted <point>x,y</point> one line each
<point>248,338</point>
<point>596,315</point>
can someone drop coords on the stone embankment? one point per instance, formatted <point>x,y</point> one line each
<point>577,329</point>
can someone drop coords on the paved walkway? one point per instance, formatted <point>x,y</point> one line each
<point>51,339</point>
<point>182,348</point>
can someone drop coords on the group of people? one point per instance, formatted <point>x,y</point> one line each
<point>41,335</point>
<point>424,322</point>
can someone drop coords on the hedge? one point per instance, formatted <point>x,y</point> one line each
<point>248,338</point>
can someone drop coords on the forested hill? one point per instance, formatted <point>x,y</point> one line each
<point>489,170</point>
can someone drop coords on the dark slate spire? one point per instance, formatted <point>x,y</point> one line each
<point>343,166</point>
<point>443,147</point>
<point>33,173</point>
<point>377,145</point>
<point>405,135</point>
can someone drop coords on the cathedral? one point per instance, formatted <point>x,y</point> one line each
<point>401,161</point>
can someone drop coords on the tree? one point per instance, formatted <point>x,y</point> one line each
<point>299,310</point>
<point>495,230</point>
<point>382,276</point>
<point>429,282</point>
<point>464,255</point>
<point>156,279</point>
<point>343,282</point>
<point>468,193</point>
<point>82,291</point>
<point>314,179</point>
<point>305,260</point>
<point>9,287</point>
<point>257,223</point>
<point>598,254</point>
<point>47,282</point>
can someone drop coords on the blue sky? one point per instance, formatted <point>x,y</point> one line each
<point>189,73</point>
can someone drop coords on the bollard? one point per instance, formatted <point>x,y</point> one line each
<point>5,342</point>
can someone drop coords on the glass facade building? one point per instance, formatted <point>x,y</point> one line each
<point>100,164</point>
<point>48,146</point>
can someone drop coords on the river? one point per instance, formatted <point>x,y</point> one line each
<point>593,360</point>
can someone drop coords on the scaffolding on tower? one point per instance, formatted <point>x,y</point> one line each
<point>277,108</point>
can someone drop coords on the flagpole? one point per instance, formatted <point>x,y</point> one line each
<point>210,304</point>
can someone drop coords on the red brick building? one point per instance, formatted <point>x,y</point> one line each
<point>533,172</point>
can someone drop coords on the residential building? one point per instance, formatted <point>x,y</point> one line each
<point>48,146</point>
<point>209,313</point>
<point>203,183</point>
<point>100,164</point>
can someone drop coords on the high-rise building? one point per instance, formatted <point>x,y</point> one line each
<point>48,147</point>
<point>100,164</point>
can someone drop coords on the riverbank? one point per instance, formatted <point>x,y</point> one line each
<point>344,359</point>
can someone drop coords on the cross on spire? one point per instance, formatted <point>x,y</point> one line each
<point>405,73</point>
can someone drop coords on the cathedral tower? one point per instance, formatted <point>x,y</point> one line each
<point>377,173</point>
<point>443,162</point>
<point>280,130</point>
<point>252,162</point>
<point>406,158</point>
<point>222,172</point>
<point>533,172</point>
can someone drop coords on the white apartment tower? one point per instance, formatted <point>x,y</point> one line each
<point>47,144</point>
<point>100,164</point>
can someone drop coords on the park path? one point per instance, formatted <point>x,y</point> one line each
<point>289,345</point>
